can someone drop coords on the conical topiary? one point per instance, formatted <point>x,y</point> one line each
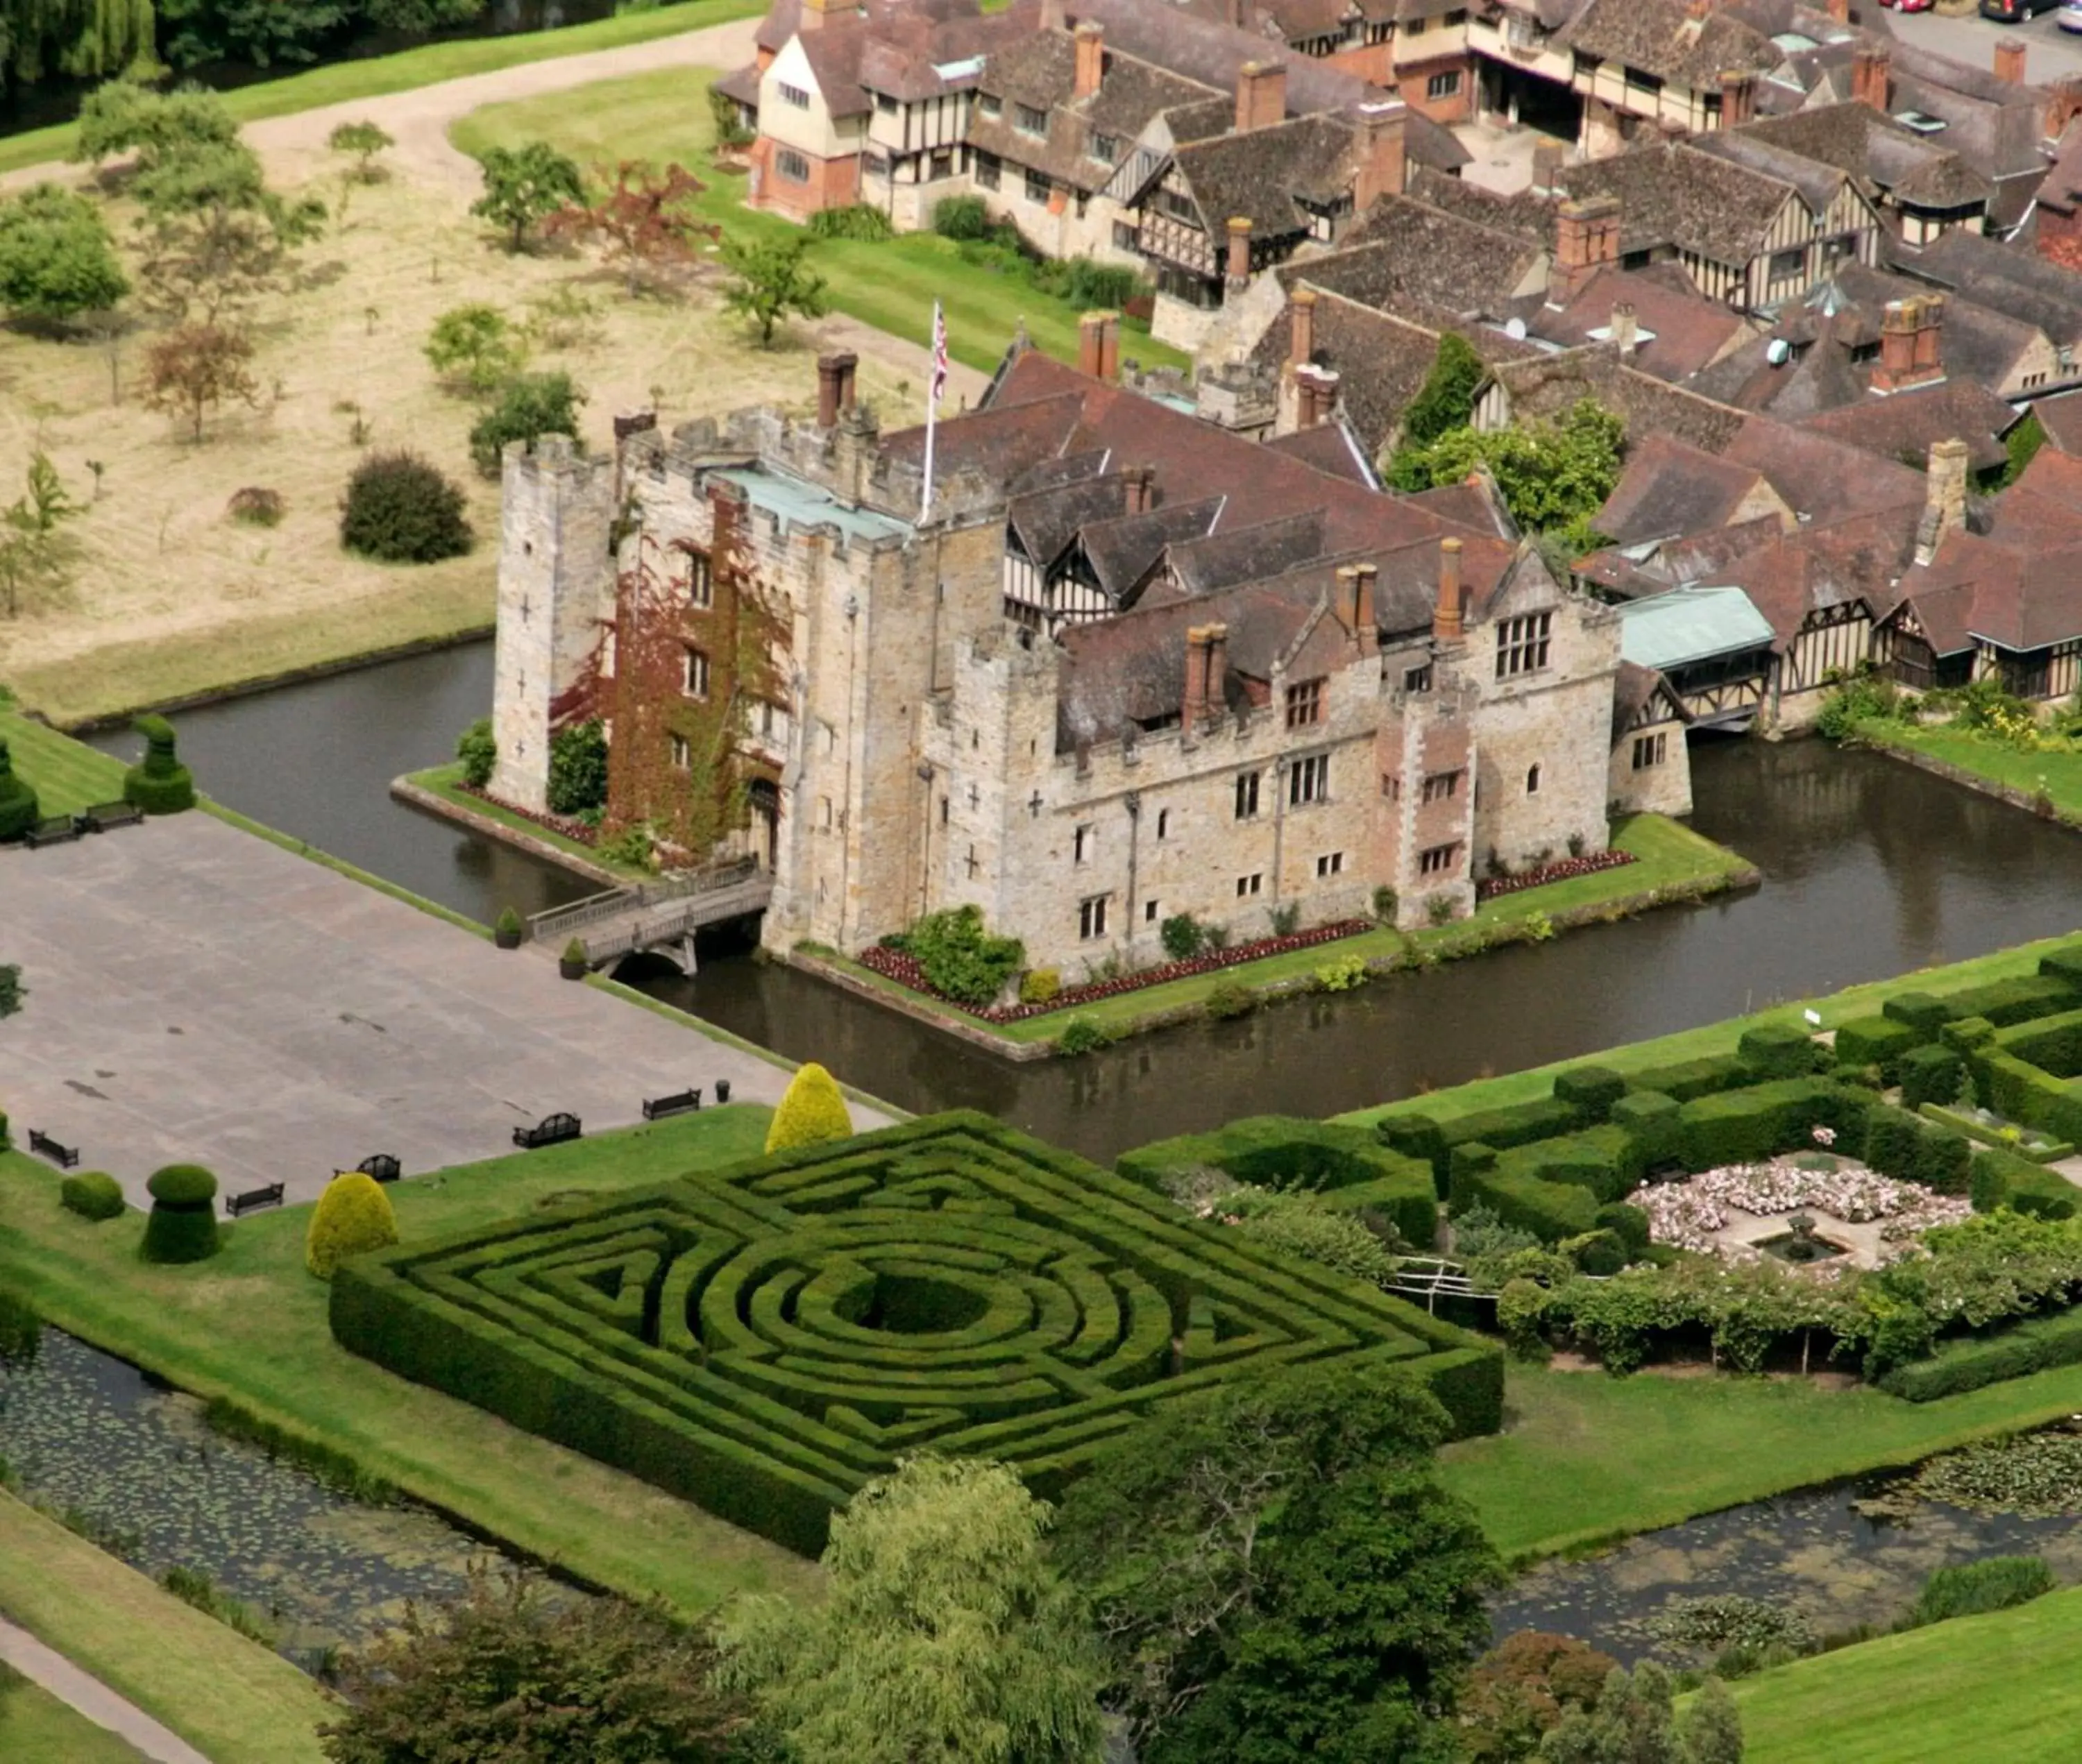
<point>812,1112</point>
<point>353,1215</point>
<point>18,801</point>
<point>158,783</point>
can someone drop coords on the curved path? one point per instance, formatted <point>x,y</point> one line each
<point>88,1696</point>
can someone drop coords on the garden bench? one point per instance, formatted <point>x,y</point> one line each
<point>679,1103</point>
<point>53,830</point>
<point>102,816</point>
<point>252,1200</point>
<point>65,1156</point>
<point>551,1130</point>
<point>382,1166</point>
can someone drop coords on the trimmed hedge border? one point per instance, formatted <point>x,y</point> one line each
<point>1964,1365</point>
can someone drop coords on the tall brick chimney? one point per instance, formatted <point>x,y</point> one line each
<point>1109,347</point>
<point>1362,618</point>
<point>1945,497</point>
<point>830,379</point>
<point>1354,602</point>
<point>1090,57</point>
<point>1193,711</point>
<point>1142,492</point>
<point>1300,325</point>
<point>2009,62</point>
<point>1625,329</point>
<point>1260,95</point>
<point>1872,74</point>
<point>1238,266</point>
<point>1381,170</point>
<point>1091,331</point>
<point>1910,343</point>
<point>1737,97</point>
<point>1218,669</point>
<point>1446,619</point>
<point>1586,239</point>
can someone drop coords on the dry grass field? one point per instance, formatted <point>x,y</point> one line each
<point>171,598</point>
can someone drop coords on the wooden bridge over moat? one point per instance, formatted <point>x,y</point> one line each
<point>657,917</point>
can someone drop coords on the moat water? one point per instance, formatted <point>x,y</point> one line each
<point>1870,868</point>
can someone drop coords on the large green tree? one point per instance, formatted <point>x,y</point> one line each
<point>946,1636</point>
<point>524,186</point>
<point>769,280</point>
<point>77,39</point>
<point>528,406</point>
<point>122,117</point>
<point>1636,1721</point>
<point>57,262</point>
<point>1554,476</point>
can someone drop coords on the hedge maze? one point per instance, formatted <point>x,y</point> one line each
<point>764,1339</point>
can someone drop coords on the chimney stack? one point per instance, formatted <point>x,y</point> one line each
<point>1586,240</point>
<point>1090,328</point>
<point>1239,256</point>
<point>1362,618</point>
<point>1840,10</point>
<point>1910,343</point>
<point>2009,62</point>
<point>1737,98</point>
<point>1109,347</point>
<point>833,374</point>
<point>1625,329</point>
<point>1217,701</point>
<point>1872,73</point>
<point>1381,169</point>
<point>1090,57</point>
<point>1260,95</point>
<point>1302,327</point>
<point>1445,624</point>
<point>1547,158</point>
<point>1142,494</point>
<point>1945,502</point>
<point>1193,712</point>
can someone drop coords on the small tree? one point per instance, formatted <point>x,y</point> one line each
<point>362,142</point>
<point>195,366</point>
<point>578,768</point>
<point>524,186</point>
<point>159,783</point>
<point>478,751</point>
<point>34,550</point>
<point>353,1215</point>
<point>122,117</point>
<point>642,221</point>
<point>769,280</point>
<point>476,347</point>
<point>19,810</point>
<point>812,1112</point>
<point>400,509</point>
<point>529,405</point>
<point>57,262</point>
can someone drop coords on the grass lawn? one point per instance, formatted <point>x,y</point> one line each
<point>250,1325</point>
<point>2059,775</point>
<point>1996,1689</point>
<point>67,775</point>
<point>1586,1459</point>
<point>426,66</point>
<point>444,781</point>
<point>36,1728</point>
<point>231,1699</point>
<point>891,285</point>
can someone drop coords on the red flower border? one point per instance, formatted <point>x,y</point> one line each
<point>577,831</point>
<point>1568,867</point>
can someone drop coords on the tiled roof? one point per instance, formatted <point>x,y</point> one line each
<point>1547,386</point>
<point>1047,520</point>
<point>1817,182</point>
<point>1668,489</point>
<point>1410,252</point>
<point>1658,37</point>
<point>1681,329</point>
<point>2044,506</point>
<point>1823,480</point>
<point>2005,278</point>
<point>1259,175</point>
<point>1122,552</point>
<point>2021,597</point>
<point>1238,554</point>
<point>1330,447</point>
<point>1907,425</point>
<point>2061,418</point>
<point>1792,575</point>
<point>1039,71</point>
<point>1676,195</point>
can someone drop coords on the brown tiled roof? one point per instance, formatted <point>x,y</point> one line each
<point>2061,418</point>
<point>1817,182</point>
<point>1643,569</point>
<point>1907,425</point>
<point>1258,176</point>
<point>1548,385</point>
<point>1413,254</point>
<point>1793,574</point>
<point>1047,520</point>
<point>1475,503</point>
<point>1331,448</point>
<point>1877,151</point>
<point>1676,195</point>
<point>1122,552</point>
<point>1682,331</point>
<point>742,85</point>
<point>1238,555</point>
<point>1039,71</point>
<point>2044,506</point>
<point>1658,37</point>
<point>1632,690</point>
<point>1669,489</point>
<point>2021,597</point>
<point>1530,217</point>
<point>1823,480</point>
<point>2005,278</point>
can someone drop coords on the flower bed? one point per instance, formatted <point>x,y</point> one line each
<point>561,825</point>
<point>1690,1213</point>
<point>902,967</point>
<point>1494,886</point>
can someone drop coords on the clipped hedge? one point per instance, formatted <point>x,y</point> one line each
<point>93,1194</point>
<point>2054,1044</point>
<point>1590,1090</point>
<point>1953,1121</point>
<point>1552,1211</point>
<point>2064,964</point>
<point>1777,1051</point>
<point>2000,1178</point>
<point>812,1111</point>
<point>182,1226</point>
<point>1648,1118</point>
<point>2005,1002</point>
<point>18,809</point>
<point>1602,1159</point>
<point>1900,1145</point>
<point>1421,1136</point>
<point>1877,1041</point>
<point>1967,1363</point>
<point>1689,1079</point>
<point>158,783</point>
<point>1745,1126</point>
<point>1929,1074</point>
<point>353,1216</point>
<point>1919,1011</point>
<point>2028,1094</point>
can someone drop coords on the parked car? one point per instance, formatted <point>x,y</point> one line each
<point>2015,11</point>
<point>2070,17</point>
<point>1910,6</point>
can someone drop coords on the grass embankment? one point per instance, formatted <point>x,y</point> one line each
<point>231,1699</point>
<point>2058,774</point>
<point>249,1325</point>
<point>67,775</point>
<point>36,1728</point>
<point>2000,1689</point>
<point>445,781</point>
<point>343,81</point>
<point>890,285</point>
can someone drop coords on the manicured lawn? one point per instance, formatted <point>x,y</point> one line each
<point>1585,1458</point>
<point>345,81</point>
<point>2059,775</point>
<point>250,1325</point>
<point>444,781</point>
<point>1996,1689</point>
<point>664,116</point>
<point>67,775</point>
<point>231,1699</point>
<point>36,1728</point>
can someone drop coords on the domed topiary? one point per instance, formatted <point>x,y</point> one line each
<point>93,1194</point>
<point>353,1215</point>
<point>811,1111</point>
<point>19,811</point>
<point>400,509</point>
<point>182,1226</point>
<point>158,783</point>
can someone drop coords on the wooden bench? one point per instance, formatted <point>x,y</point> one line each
<point>53,830</point>
<point>382,1166</point>
<point>101,816</point>
<point>64,1157</point>
<point>681,1102</point>
<point>253,1200</point>
<point>551,1130</point>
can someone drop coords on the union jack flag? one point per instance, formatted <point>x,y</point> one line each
<point>939,353</point>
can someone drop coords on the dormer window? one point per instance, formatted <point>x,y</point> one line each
<point>1030,121</point>
<point>1106,147</point>
<point>990,103</point>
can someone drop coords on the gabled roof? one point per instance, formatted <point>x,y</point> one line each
<point>1406,254</point>
<point>1259,176</point>
<point>1679,329</point>
<point>1659,37</point>
<point>1678,194</point>
<point>2061,418</point>
<point>1122,552</point>
<point>1548,384</point>
<point>1880,153</point>
<point>2019,597</point>
<point>1691,624</point>
<point>2005,278</point>
<point>1823,480</point>
<point>1330,447</point>
<point>1669,489</point>
<point>1046,521</point>
<point>1907,425</point>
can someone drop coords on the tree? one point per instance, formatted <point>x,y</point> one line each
<point>194,367</point>
<point>1523,1687</point>
<point>34,549</point>
<point>12,991</point>
<point>578,768</point>
<point>1554,476</point>
<point>353,1215</point>
<point>57,262</point>
<point>524,186</point>
<point>769,280</point>
<point>530,405</point>
<point>642,220</point>
<point>812,1112</point>
<point>75,39</point>
<point>1636,1722</point>
<point>946,1636</point>
<point>399,508</point>
<point>122,117</point>
<point>476,347</point>
<point>364,140</point>
<point>264,32</point>
<point>510,1671</point>
<point>1447,399</point>
<point>478,748</point>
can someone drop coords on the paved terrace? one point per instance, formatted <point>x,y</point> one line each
<point>200,994</point>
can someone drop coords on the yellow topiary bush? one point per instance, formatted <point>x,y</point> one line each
<point>353,1215</point>
<point>811,1111</point>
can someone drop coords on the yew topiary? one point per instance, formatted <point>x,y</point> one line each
<point>93,1194</point>
<point>182,1226</point>
<point>400,509</point>
<point>811,1111</point>
<point>158,783</point>
<point>352,1215</point>
<point>19,810</point>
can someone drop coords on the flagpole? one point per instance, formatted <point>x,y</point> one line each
<point>935,381</point>
<point>932,412</point>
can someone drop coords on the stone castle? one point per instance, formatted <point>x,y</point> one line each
<point>1126,663</point>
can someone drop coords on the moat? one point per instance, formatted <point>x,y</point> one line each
<point>1870,868</point>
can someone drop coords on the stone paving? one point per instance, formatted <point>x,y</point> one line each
<point>198,994</point>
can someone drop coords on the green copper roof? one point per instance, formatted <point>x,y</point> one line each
<point>1688,624</point>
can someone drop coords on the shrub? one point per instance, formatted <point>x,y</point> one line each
<point>1920,1011</point>
<point>1341,974</point>
<point>478,751</point>
<point>575,951</point>
<point>1877,1041</point>
<point>1967,1363</point>
<point>1302,1225</point>
<point>1384,904</point>
<point>1038,986</point>
<point>578,768</point>
<point>19,808</point>
<point>1590,1090</point>
<point>1969,1589</point>
<point>6,1143</point>
<point>1997,1178</point>
<point>158,783</point>
<point>1744,1127</point>
<point>1285,920</point>
<point>255,507</point>
<point>21,1336</point>
<point>1181,937</point>
<point>1690,1078</point>
<point>352,1215</point>
<point>1088,284</point>
<point>400,509</point>
<point>1627,1222</point>
<point>1438,909</point>
<point>1082,1035</point>
<point>93,1194</point>
<point>812,1110</point>
<point>509,921</point>
<point>960,959</point>
<point>476,348</point>
<point>1649,1119</point>
<point>1420,1136</point>
<point>962,217</point>
<point>182,1226</point>
<point>1777,1051</point>
<point>1228,999</point>
<point>529,406</point>
<point>857,220</point>
<point>1929,1074</point>
<point>1595,1252</point>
